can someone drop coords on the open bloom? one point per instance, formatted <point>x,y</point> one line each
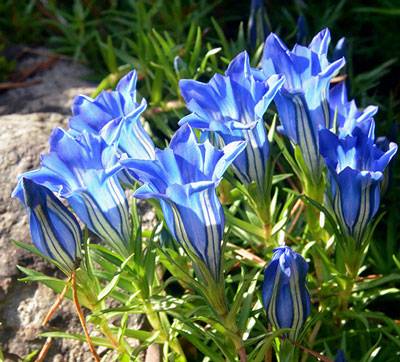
<point>83,169</point>
<point>302,102</point>
<point>115,116</point>
<point>285,296</point>
<point>356,166</point>
<point>54,229</point>
<point>345,115</point>
<point>233,106</point>
<point>184,178</point>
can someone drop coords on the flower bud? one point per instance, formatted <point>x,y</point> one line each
<point>54,229</point>
<point>285,296</point>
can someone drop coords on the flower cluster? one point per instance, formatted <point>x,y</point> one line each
<point>107,150</point>
<point>303,100</point>
<point>83,166</point>
<point>326,126</point>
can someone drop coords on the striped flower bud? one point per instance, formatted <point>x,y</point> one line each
<point>285,296</point>
<point>54,229</point>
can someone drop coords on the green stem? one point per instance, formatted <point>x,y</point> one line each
<point>91,295</point>
<point>288,352</point>
<point>262,200</point>
<point>218,302</point>
<point>267,231</point>
<point>155,322</point>
<point>316,193</point>
<point>318,264</point>
<point>105,329</point>
<point>353,255</point>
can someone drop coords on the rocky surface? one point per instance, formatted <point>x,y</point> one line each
<point>27,116</point>
<point>53,89</point>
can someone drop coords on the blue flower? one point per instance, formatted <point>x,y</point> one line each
<point>115,116</point>
<point>83,169</point>
<point>302,102</point>
<point>345,114</point>
<point>285,296</point>
<point>356,166</point>
<point>54,229</point>
<point>184,178</point>
<point>233,106</point>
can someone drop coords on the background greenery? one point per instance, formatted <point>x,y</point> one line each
<point>166,40</point>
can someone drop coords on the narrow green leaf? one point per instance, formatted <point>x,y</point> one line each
<point>208,55</point>
<point>222,38</point>
<point>252,229</point>
<point>196,51</point>
<point>368,284</point>
<point>78,337</point>
<point>143,336</point>
<point>114,281</point>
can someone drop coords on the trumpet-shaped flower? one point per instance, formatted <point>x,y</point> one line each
<point>285,296</point>
<point>356,166</point>
<point>233,106</point>
<point>54,229</point>
<point>302,102</point>
<point>116,117</point>
<point>345,115</point>
<point>184,178</point>
<point>83,169</point>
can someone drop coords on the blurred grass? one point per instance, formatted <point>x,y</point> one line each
<point>161,38</point>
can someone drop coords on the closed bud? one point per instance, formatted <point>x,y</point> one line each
<point>285,296</point>
<point>54,229</point>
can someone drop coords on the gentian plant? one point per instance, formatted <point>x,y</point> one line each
<point>228,270</point>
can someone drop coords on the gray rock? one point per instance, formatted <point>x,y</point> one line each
<point>23,137</point>
<point>54,92</point>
